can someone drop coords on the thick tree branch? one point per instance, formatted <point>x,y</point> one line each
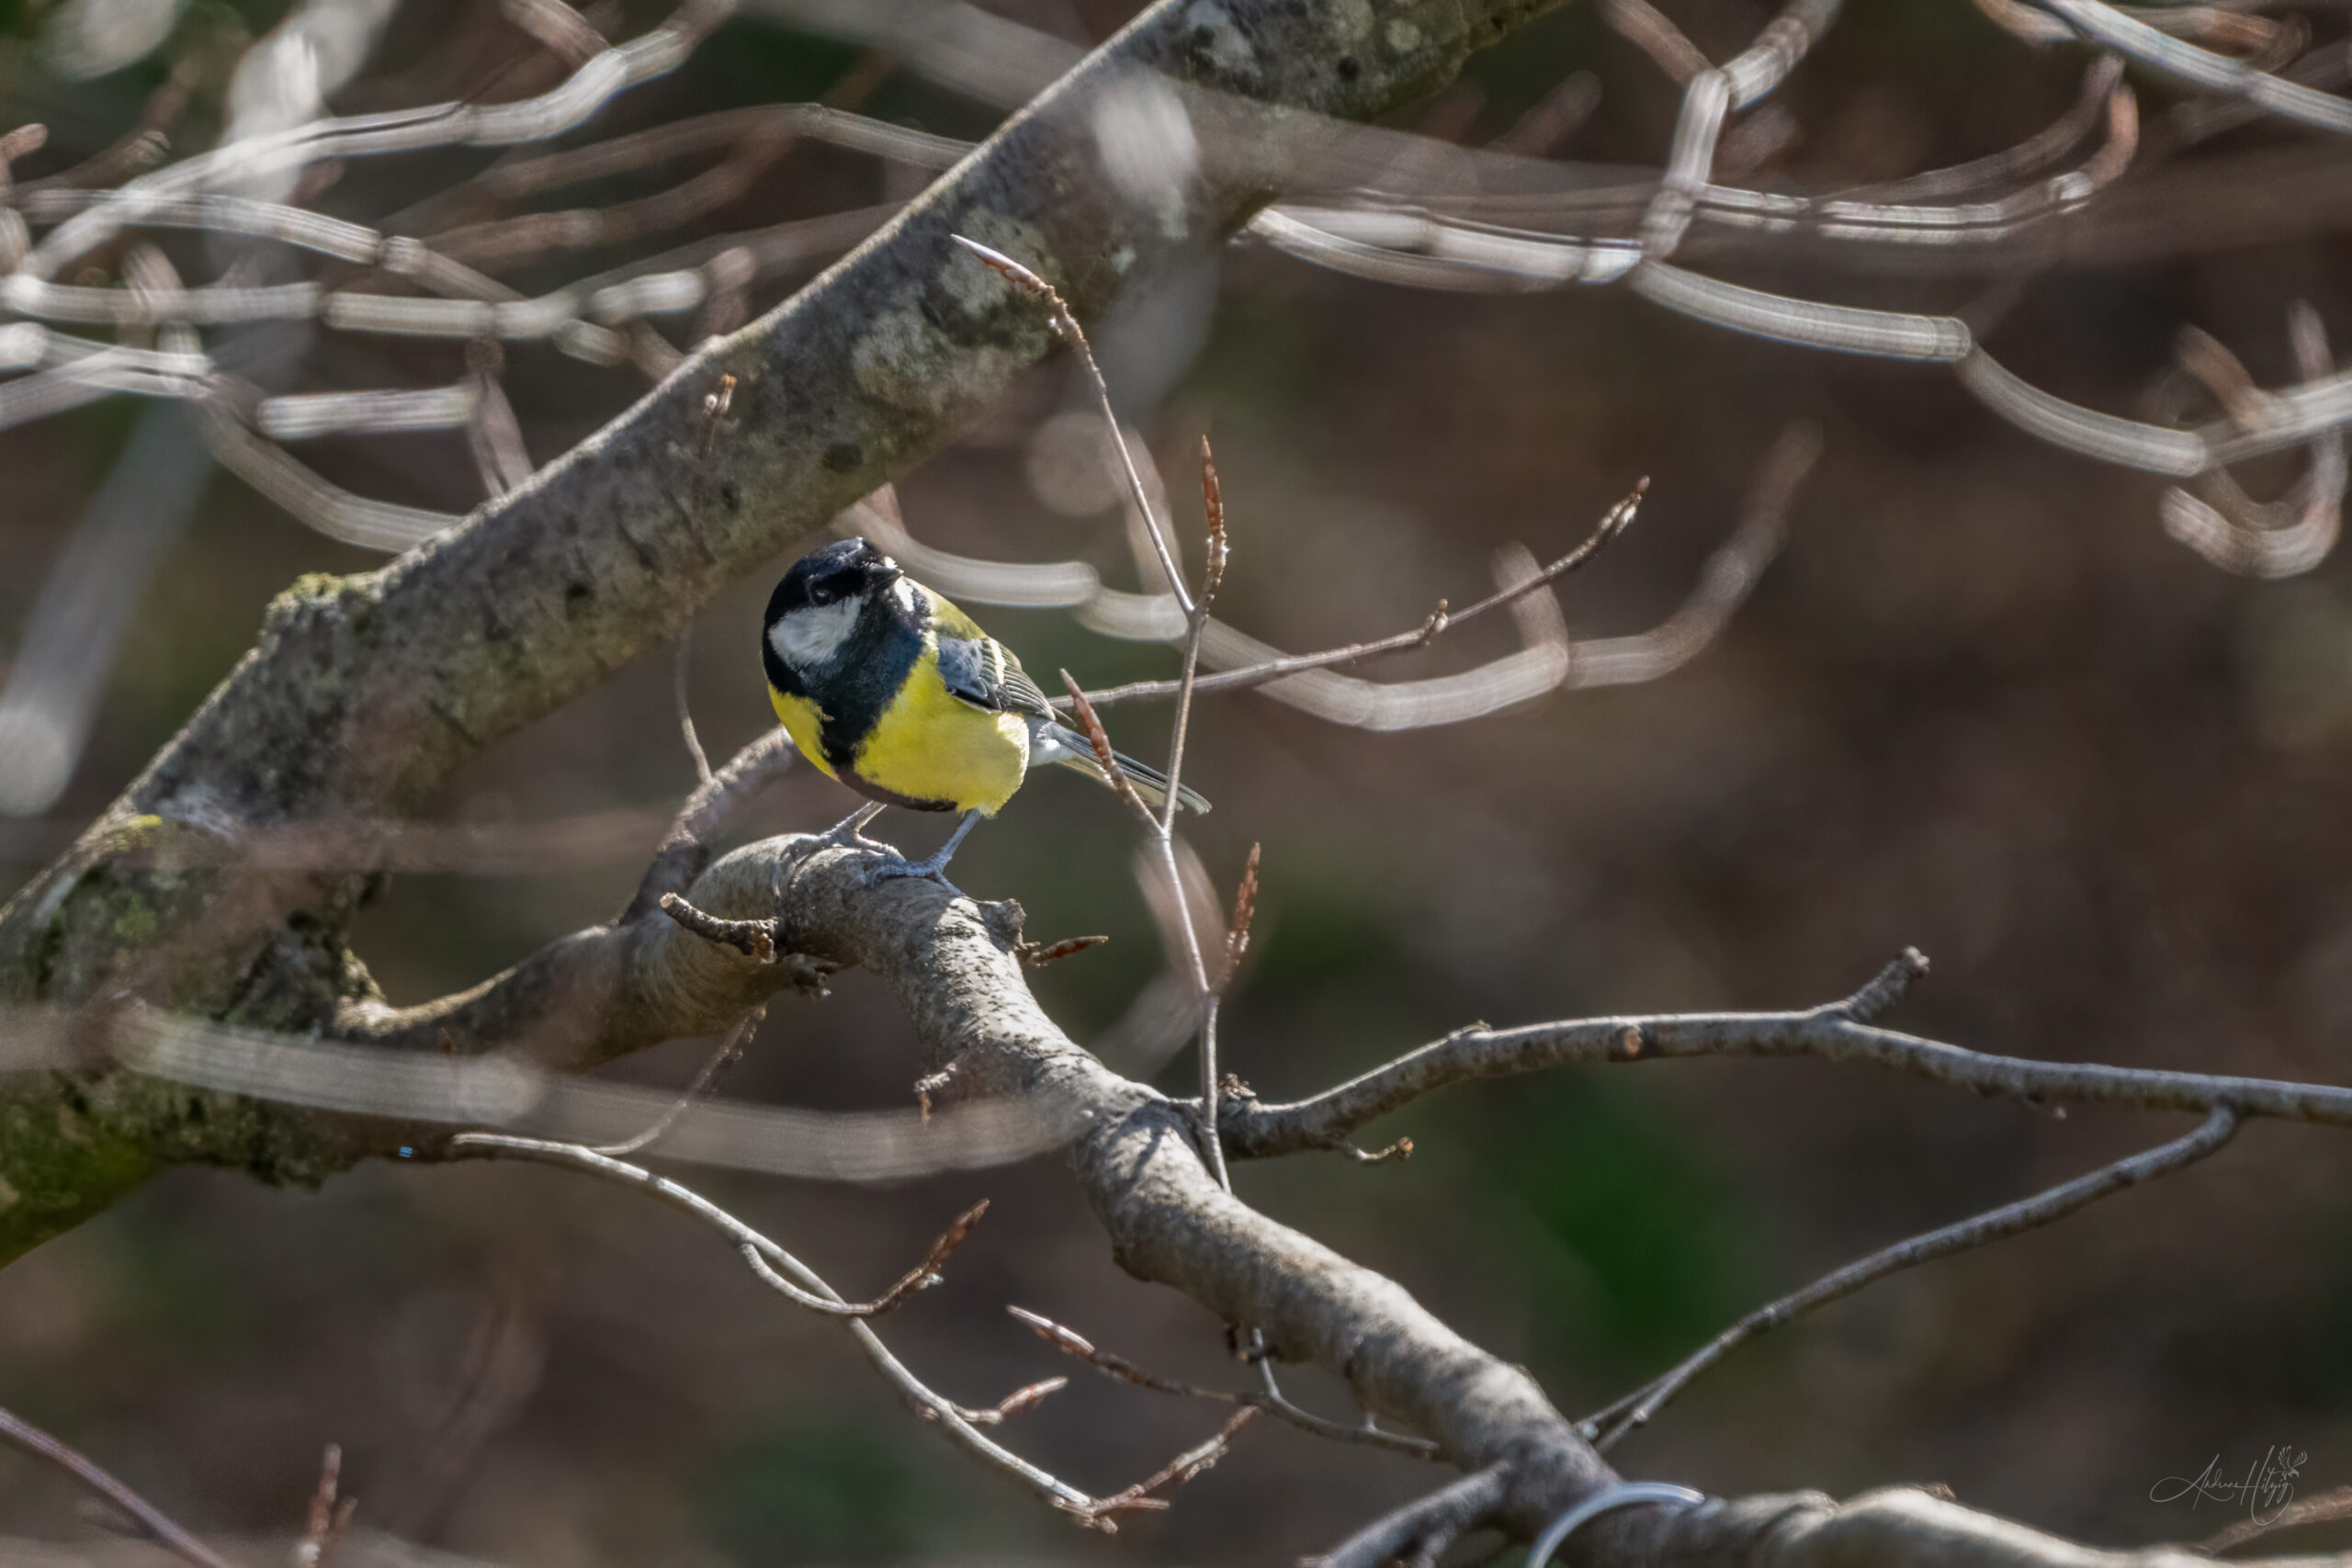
<point>605,991</point>
<point>366,694</point>
<point>955,968</point>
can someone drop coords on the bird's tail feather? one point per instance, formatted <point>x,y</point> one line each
<point>1072,750</point>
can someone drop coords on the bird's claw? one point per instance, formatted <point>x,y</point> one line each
<point>849,834</point>
<point>932,869</point>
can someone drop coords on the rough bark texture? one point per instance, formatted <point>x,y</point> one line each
<point>366,693</point>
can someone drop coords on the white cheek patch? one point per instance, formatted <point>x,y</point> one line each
<point>903,593</point>
<point>809,637</point>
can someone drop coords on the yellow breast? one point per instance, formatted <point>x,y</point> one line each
<point>802,719</point>
<point>930,745</point>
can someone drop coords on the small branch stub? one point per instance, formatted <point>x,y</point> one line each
<point>1886,987</point>
<point>752,939</point>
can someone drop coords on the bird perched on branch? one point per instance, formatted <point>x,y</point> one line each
<point>897,693</point>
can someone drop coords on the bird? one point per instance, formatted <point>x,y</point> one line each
<point>890,689</point>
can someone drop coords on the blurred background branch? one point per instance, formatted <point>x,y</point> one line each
<point>513,219</point>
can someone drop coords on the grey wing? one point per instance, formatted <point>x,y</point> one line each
<point>979,672</point>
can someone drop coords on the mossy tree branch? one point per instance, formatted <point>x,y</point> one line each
<point>366,694</point>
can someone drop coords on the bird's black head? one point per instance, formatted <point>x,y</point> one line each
<point>817,608</point>
<point>848,569</point>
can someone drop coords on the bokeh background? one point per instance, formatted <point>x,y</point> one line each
<point>1980,703</point>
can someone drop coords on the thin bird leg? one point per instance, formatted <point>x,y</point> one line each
<point>936,862</point>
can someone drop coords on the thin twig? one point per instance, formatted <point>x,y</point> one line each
<point>1421,1531</point>
<point>1197,619</point>
<point>730,1051</point>
<point>681,667</point>
<point>1607,1426</point>
<point>1180,1469</point>
<point>804,1288</point>
<point>1066,327</point>
<point>1071,1343</point>
<point>764,1255</point>
<point>1441,620</point>
<point>157,1525</point>
<point>1833,1031</point>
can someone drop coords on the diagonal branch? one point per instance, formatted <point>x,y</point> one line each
<point>366,694</point>
<point>1610,1424</point>
<point>153,1521</point>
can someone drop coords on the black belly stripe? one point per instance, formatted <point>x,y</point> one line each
<point>854,688</point>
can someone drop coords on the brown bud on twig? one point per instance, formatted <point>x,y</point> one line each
<point>1101,741</point>
<point>1245,908</point>
<point>1180,1470</point>
<point>1030,285</point>
<point>1037,956</point>
<point>1069,1341</point>
<point>1018,1400</point>
<point>926,1274</point>
<point>329,1518</point>
<point>1211,502</point>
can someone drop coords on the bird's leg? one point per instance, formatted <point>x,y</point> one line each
<point>847,830</point>
<point>936,862</point>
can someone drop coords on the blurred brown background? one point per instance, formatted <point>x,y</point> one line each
<point>1981,705</point>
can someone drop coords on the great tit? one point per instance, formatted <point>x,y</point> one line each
<point>895,691</point>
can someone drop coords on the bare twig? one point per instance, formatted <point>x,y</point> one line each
<point>1071,1343</point>
<point>764,1255</point>
<point>1608,1427</point>
<point>794,1281</point>
<point>681,667</point>
<point>1066,327</point>
<point>1421,1531</point>
<point>151,1520</point>
<point>1832,1031</point>
<point>1180,1469</point>
<point>730,1051</point>
<point>1441,620</point>
<point>926,1274</point>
